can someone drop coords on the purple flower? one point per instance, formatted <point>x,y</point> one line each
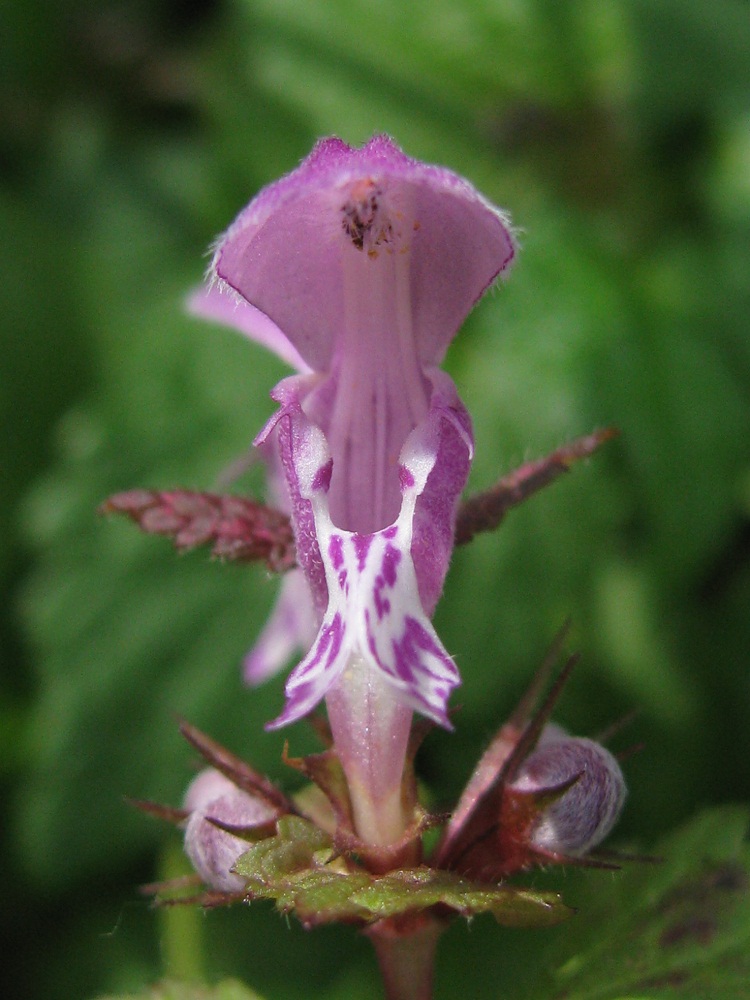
<point>358,268</point>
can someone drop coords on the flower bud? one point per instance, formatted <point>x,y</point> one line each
<point>582,815</point>
<point>211,850</point>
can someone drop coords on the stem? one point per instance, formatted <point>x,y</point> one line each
<point>181,927</point>
<point>406,955</point>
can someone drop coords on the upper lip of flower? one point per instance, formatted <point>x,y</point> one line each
<point>283,252</point>
<point>367,261</point>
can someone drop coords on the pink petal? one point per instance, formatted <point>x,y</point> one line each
<point>221,305</point>
<point>286,253</point>
<point>435,513</point>
<point>295,439</point>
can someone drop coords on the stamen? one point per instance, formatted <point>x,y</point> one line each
<point>362,221</point>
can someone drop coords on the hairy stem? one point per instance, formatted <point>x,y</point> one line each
<point>406,955</point>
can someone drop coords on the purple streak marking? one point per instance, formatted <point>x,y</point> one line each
<point>325,649</point>
<point>406,651</point>
<point>382,604</point>
<point>391,559</point>
<point>372,646</point>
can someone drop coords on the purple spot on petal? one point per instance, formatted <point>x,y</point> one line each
<point>322,479</point>
<point>297,697</point>
<point>362,545</point>
<point>405,478</point>
<point>390,532</point>
<point>418,634</point>
<point>336,551</point>
<point>342,579</point>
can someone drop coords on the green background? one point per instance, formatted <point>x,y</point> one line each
<point>618,137</point>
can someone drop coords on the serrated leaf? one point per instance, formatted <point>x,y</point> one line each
<point>291,850</point>
<point>420,888</point>
<point>326,896</point>
<point>292,869</point>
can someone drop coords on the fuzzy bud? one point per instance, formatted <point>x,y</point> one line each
<point>581,816</point>
<point>211,850</point>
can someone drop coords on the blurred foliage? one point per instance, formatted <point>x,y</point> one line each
<point>678,930</point>
<point>131,131</point>
<point>227,990</point>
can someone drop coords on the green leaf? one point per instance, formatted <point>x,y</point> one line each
<point>292,869</point>
<point>678,930</point>
<point>290,851</point>
<point>419,888</point>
